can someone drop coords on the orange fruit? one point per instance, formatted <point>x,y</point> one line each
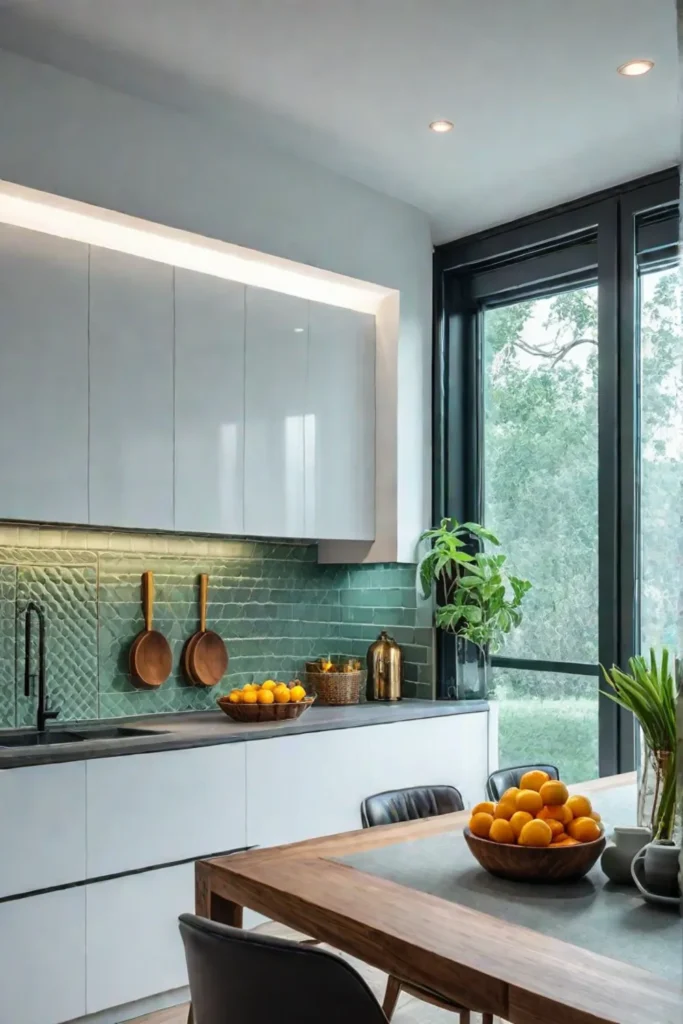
<point>554,793</point>
<point>282,694</point>
<point>584,829</point>
<point>533,779</point>
<point>557,828</point>
<point>559,813</point>
<point>265,696</point>
<point>510,793</point>
<point>480,825</point>
<point>535,833</point>
<point>519,820</point>
<point>565,841</point>
<point>502,832</point>
<point>269,684</point>
<point>529,800</point>
<point>485,807</point>
<point>580,806</point>
<point>235,696</point>
<point>505,809</point>
<point>595,816</point>
<point>297,693</point>
<point>249,696</point>
<point>249,686</point>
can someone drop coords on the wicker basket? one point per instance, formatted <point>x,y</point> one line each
<point>264,712</point>
<point>335,687</point>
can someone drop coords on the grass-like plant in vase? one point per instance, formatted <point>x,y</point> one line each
<point>649,692</point>
<point>477,600</point>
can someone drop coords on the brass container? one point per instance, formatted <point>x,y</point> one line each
<point>385,669</point>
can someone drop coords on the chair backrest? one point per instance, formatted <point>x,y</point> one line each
<point>409,804</point>
<point>243,978</point>
<point>500,781</point>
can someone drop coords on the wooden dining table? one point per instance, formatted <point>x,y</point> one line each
<point>366,893</point>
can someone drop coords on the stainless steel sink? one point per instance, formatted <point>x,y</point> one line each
<point>115,732</point>
<point>38,739</point>
<point>93,732</point>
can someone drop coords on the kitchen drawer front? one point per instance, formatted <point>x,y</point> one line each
<point>42,810</point>
<point>43,377</point>
<point>152,809</point>
<point>451,750</point>
<point>134,949</point>
<point>42,967</point>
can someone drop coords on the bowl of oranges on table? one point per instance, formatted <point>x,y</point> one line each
<point>536,832</point>
<point>269,701</point>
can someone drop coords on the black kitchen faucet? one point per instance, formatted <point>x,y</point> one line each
<point>43,711</point>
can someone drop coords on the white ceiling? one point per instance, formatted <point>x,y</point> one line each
<point>540,114</point>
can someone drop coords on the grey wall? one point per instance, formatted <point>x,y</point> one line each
<point>68,136</point>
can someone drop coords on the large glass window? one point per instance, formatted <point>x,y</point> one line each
<point>541,466</point>
<point>558,410</point>
<point>547,718</point>
<point>661,456</point>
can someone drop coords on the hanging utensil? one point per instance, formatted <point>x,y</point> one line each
<point>150,657</point>
<point>205,658</point>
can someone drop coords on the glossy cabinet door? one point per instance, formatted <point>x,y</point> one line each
<point>131,391</point>
<point>275,406</point>
<point>367,760</point>
<point>133,947</point>
<point>209,404</point>
<point>43,377</point>
<point>42,808</point>
<point>42,967</point>
<point>340,425</point>
<point>144,810</point>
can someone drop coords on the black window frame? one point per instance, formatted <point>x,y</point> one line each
<point>598,239</point>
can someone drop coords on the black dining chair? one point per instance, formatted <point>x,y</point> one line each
<point>410,805</point>
<point>504,779</point>
<point>243,978</point>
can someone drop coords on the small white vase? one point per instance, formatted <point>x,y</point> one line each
<point>616,860</point>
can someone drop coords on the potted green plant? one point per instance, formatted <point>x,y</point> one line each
<point>649,692</point>
<point>476,599</point>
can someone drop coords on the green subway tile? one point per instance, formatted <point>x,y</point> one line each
<point>8,575</point>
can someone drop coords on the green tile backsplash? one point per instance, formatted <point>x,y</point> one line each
<point>274,605</point>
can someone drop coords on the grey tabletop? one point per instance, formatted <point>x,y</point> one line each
<point>592,913</point>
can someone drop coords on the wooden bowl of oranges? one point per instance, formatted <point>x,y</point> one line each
<point>266,702</point>
<point>536,832</point>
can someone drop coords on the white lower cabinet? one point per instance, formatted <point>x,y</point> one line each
<point>42,810</point>
<point>338,769</point>
<point>134,948</point>
<point>42,958</point>
<point>145,810</point>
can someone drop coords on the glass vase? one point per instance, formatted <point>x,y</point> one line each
<point>657,808</point>
<point>472,668</point>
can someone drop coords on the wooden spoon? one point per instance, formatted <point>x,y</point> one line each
<point>206,656</point>
<point>150,657</point>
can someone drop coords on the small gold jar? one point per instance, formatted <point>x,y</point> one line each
<point>385,669</point>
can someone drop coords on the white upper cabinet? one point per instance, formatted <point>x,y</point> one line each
<point>131,391</point>
<point>209,403</point>
<point>340,425</point>
<point>43,377</point>
<point>275,406</point>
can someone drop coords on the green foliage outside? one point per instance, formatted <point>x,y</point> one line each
<point>541,498</point>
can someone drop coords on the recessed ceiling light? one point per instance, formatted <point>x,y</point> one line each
<point>441,126</point>
<point>636,67</point>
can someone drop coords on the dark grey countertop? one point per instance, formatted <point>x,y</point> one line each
<point>207,728</point>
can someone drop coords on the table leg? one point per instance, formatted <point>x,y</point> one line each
<point>209,904</point>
